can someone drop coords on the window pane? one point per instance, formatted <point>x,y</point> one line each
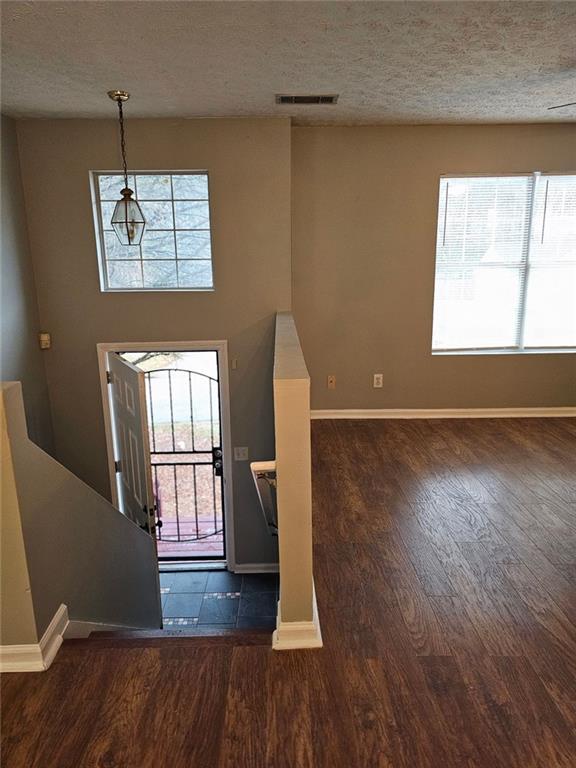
<point>124,274</point>
<point>160,274</point>
<point>154,263</point>
<point>115,249</point>
<point>551,293</point>
<point>111,186</point>
<point>192,215</point>
<point>551,307</point>
<point>554,228</point>
<point>190,187</point>
<point>153,187</point>
<point>481,243</point>
<point>195,274</point>
<point>193,245</point>
<point>483,220</point>
<point>158,245</point>
<point>107,211</point>
<point>476,307</point>
<point>158,215</point>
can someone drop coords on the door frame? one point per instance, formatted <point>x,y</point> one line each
<point>221,349</point>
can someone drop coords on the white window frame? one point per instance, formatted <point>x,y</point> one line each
<point>99,230</point>
<point>519,348</point>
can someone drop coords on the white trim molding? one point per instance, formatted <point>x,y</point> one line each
<point>445,413</point>
<point>80,630</point>
<point>293,635</point>
<point>256,568</point>
<point>36,657</point>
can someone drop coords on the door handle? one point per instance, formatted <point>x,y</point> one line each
<point>152,523</point>
<point>217,461</point>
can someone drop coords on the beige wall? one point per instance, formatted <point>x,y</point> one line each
<point>20,356</point>
<point>17,623</point>
<point>363,214</point>
<point>80,550</point>
<point>249,166</point>
<point>364,205</point>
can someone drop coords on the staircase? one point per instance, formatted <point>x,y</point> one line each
<point>70,558</point>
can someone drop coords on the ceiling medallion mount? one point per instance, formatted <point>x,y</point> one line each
<point>119,95</point>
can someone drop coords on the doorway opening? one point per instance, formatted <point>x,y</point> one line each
<point>183,407</point>
<point>184,437</point>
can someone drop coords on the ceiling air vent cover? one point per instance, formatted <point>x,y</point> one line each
<point>284,98</point>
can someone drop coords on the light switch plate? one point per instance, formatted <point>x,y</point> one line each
<point>241,453</point>
<point>45,340</point>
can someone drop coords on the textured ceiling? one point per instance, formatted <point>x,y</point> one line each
<point>391,62</point>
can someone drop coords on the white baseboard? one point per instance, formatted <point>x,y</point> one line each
<point>36,657</point>
<point>79,630</point>
<point>444,413</point>
<point>256,568</point>
<point>21,658</point>
<point>292,635</point>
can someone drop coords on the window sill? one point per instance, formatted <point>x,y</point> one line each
<point>533,351</point>
<point>157,290</point>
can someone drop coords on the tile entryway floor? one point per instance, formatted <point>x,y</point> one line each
<point>219,600</point>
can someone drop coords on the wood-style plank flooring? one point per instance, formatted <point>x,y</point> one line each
<point>445,575</point>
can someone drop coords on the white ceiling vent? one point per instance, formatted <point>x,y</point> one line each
<point>284,98</point>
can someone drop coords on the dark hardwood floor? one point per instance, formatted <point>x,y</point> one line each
<point>445,575</point>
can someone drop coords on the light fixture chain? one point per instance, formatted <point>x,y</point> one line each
<point>123,142</point>
<point>127,219</point>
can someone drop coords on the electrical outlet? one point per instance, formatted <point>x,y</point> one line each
<point>331,381</point>
<point>378,380</point>
<point>240,453</point>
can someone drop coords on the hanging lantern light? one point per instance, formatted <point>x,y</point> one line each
<point>127,220</point>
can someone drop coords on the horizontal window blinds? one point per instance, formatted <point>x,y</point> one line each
<point>505,263</point>
<point>550,316</point>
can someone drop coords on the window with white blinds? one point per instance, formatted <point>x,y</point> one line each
<point>506,263</point>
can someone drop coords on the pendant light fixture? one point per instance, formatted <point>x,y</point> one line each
<point>127,220</point>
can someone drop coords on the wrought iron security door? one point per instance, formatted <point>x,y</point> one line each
<point>187,463</point>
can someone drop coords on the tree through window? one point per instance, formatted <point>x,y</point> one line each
<point>175,252</point>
